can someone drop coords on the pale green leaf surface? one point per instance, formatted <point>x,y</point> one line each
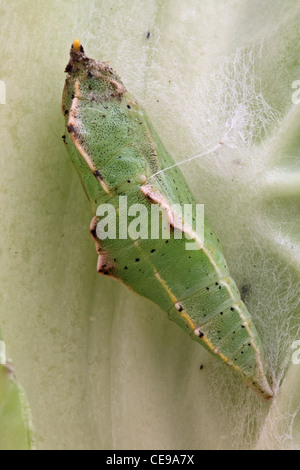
<point>15,422</point>
<point>103,368</point>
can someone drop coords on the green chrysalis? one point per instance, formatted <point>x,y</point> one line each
<point>117,153</point>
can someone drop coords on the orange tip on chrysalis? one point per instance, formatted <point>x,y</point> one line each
<point>76,45</point>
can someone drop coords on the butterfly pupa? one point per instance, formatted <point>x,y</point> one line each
<point>117,153</point>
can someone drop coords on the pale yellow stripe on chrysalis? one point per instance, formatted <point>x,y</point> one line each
<point>192,324</point>
<point>74,122</point>
<point>246,325</point>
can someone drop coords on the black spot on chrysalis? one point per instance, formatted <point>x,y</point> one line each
<point>97,174</point>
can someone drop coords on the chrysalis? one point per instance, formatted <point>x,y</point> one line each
<point>118,154</point>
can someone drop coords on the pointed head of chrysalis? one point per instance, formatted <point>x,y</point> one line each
<point>95,105</point>
<point>86,76</point>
